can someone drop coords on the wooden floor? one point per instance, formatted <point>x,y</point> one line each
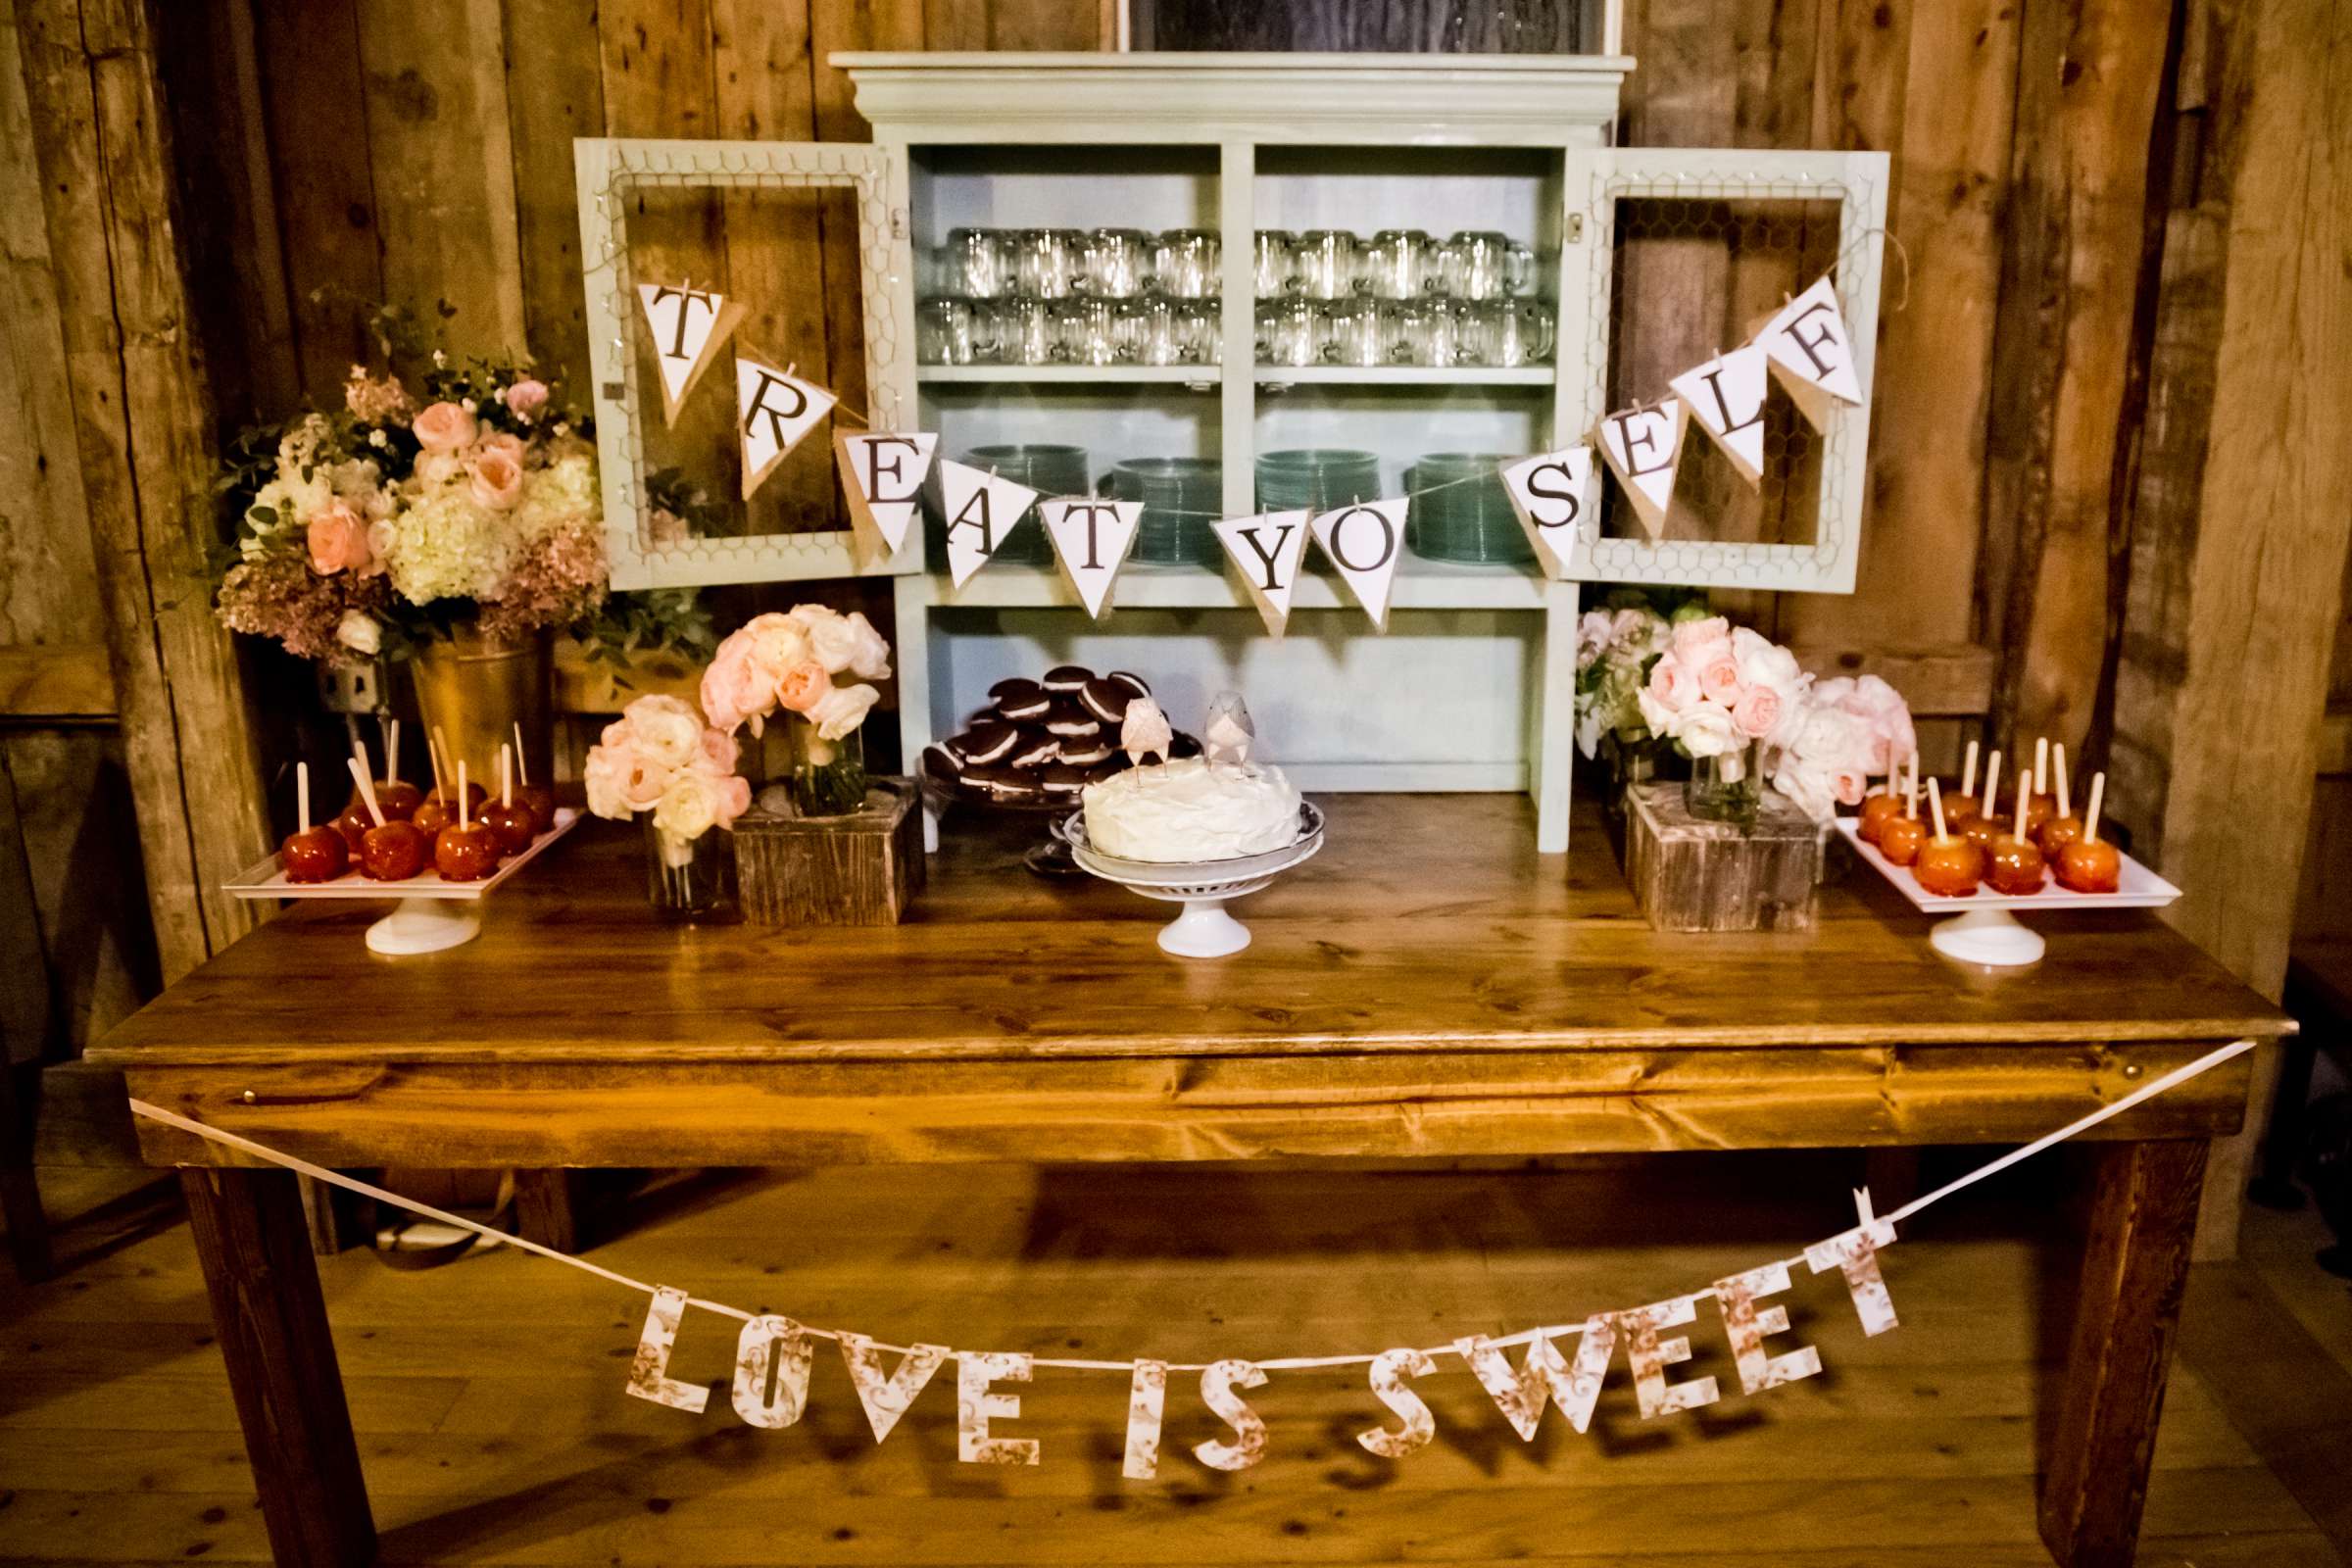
<point>488,1393</point>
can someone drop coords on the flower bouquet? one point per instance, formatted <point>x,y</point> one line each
<point>794,662</point>
<point>1723,694</point>
<point>660,759</point>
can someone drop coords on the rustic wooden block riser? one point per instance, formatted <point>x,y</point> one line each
<point>1694,875</point>
<point>850,871</point>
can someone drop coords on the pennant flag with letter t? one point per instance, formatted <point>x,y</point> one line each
<point>1812,356</point>
<point>982,510</point>
<point>1641,446</point>
<point>1268,549</point>
<point>774,409</point>
<point>1726,396</point>
<point>1090,538</point>
<point>1554,497</point>
<point>882,475</point>
<point>688,325</point>
<point>1364,541</point>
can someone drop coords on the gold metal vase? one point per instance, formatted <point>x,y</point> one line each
<point>475,694</point>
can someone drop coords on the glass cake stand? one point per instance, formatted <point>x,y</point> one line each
<point>1204,930</point>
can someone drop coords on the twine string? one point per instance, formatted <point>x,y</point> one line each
<point>1293,1363</point>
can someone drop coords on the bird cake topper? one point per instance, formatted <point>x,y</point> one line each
<point>1145,731</point>
<point>1228,735</point>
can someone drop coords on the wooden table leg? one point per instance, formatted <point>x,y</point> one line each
<point>547,1208</point>
<point>2144,1224</point>
<point>271,1324</point>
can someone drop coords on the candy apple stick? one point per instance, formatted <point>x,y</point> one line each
<point>2091,822</point>
<point>359,772</point>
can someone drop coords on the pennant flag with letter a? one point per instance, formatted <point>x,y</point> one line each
<point>688,325</point>
<point>774,408</point>
<point>982,510</point>
<point>1268,548</point>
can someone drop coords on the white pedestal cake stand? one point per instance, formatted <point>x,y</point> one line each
<point>1984,928</point>
<point>1204,930</point>
<point>431,914</point>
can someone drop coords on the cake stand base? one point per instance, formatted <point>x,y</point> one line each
<point>427,925</point>
<point>1991,936</point>
<point>1204,931</point>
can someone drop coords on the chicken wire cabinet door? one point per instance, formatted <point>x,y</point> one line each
<point>1684,254</point>
<point>768,241</point>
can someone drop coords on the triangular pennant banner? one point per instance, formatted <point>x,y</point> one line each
<point>1268,549</point>
<point>1726,396</point>
<point>688,325</point>
<point>774,408</point>
<point>1091,538</point>
<point>1364,541</point>
<point>982,510</point>
<point>1812,356</point>
<point>1641,446</point>
<point>882,475</point>
<point>1554,497</point>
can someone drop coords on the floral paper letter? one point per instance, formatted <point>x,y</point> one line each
<point>1364,541</point>
<point>1810,352</point>
<point>1248,1444</point>
<point>1855,1255</point>
<point>770,1344</point>
<point>1146,1408</point>
<point>1554,497</point>
<point>648,1373</point>
<point>1726,396</point>
<point>688,327</point>
<point>888,1397</point>
<point>1267,549</point>
<point>976,1407</point>
<point>1390,1369</point>
<point>1745,1327</point>
<point>774,409</point>
<point>1641,446</point>
<point>982,510</point>
<point>1521,1395</point>
<point>1650,1357</point>
<point>1090,538</point>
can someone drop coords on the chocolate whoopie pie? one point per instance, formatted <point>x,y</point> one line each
<point>1106,700</point>
<point>987,743</point>
<point>1026,708</point>
<point>1019,789</point>
<point>1035,751</point>
<point>1073,724</point>
<point>943,764</point>
<point>1067,678</point>
<point>1108,767</point>
<point>1183,745</point>
<point>987,777</point>
<point>1062,777</point>
<point>1132,681</point>
<point>1086,753</point>
<point>1013,689</point>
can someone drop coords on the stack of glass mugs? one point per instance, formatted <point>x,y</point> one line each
<point>1072,296</point>
<point>1402,297</point>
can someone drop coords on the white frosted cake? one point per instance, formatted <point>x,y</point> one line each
<point>1188,811</point>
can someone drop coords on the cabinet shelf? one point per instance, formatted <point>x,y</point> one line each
<point>1440,376</point>
<point>1200,378</point>
<point>1419,584</point>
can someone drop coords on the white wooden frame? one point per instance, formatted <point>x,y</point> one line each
<point>1857,182</point>
<point>607,169</point>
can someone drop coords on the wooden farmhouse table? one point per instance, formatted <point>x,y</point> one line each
<point>1428,985</point>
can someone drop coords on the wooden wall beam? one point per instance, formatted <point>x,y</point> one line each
<point>143,421</point>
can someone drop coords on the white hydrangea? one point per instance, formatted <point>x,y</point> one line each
<point>562,493</point>
<point>443,546</point>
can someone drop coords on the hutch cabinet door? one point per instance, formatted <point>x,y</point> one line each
<point>810,240</point>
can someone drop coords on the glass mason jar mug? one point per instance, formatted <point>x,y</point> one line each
<point>1402,263</point>
<point>1047,261</point>
<point>1116,263</point>
<point>1326,263</point>
<point>1290,331</point>
<point>1188,263</point>
<point>977,262</point>
<point>1507,332</point>
<point>1275,263</point>
<point>1482,264</point>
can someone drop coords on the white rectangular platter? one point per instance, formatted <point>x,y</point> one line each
<point>2137,888</point>
<point>264,880</point>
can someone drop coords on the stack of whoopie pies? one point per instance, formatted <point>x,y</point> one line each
<point>1043,740</point>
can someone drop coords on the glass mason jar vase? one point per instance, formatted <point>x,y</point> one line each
<point>1728,787</point>
<point>825,779</point>
<point>689,879</point>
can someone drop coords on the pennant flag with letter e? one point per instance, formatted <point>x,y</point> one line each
<point>982,510</point>
<point>688,325</point>
<point>1091,538</point>
<point>1641,446</point>
<point>1554,497</point>
<point>1812,356</point>
<point>882,475</point>
<point>774,409</point>
<point>1268,549</point>
<point>1726,396</point>
<point>1364,541</point>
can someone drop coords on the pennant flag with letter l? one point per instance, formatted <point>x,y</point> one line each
<point>1641,446</point>
<point>1268,549</point>
<point>1554,497</point>
<point>688,325</point>
<point>981,511</point>
<point>1364,541</point>
<point>1090,538</point>
<point>1812,356</point>
<point>774,408</point>
<point>1725,397</point>
<point>882,475</point>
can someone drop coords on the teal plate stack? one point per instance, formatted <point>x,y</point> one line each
<point>1466,515</point>
<point>1182,498</point>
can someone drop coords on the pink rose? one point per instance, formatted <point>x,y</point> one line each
<point>1758,712</point>
<point>1719,676</point>
<point>804,686</point>
<point>718,753</point>
<point>734,798</point>
<point>642,780</point>
<point>338,540</point>
<point>735,688</point>
<point>501,441</point>
<point>1672,683</point>
<point>444,427</point>
<point>497,480</point>
<point>525,398</point>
